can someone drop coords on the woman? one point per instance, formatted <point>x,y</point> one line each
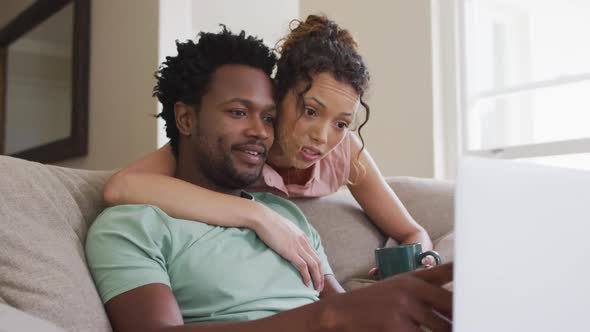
<point>320,82</point>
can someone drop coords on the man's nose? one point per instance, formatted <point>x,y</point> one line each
<point>257,128</point>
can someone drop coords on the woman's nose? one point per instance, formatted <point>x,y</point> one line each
<point>320,134</point>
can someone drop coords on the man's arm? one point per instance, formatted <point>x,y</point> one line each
<point>401,303</point>
<point>153,308</point>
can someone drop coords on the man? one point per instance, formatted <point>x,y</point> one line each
<point>156,273</point>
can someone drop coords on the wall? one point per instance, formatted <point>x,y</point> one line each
<point>267,19</point>
<point>123,59</point>
<point>395,39</point>
<point>176,23</point>
<point>11,8</point>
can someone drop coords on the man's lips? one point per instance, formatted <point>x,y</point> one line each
<point>251,153</point>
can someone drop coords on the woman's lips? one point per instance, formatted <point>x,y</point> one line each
<point>310,153</point>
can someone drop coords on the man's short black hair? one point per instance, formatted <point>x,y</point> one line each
<point>187,76</point>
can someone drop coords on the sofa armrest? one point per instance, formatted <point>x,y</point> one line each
<point>14,320</point>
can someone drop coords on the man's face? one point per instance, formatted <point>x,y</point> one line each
<point>234,126</point>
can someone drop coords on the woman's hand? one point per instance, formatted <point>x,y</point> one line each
<point>428,262</point>
<point>286,239</point>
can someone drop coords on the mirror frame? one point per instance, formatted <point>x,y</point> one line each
<point>77,143</point>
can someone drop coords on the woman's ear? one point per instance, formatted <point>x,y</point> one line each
<point>185,118</point>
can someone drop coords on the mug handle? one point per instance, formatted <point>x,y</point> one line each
<point>432,253</point>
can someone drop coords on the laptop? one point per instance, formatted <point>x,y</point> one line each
<point>522,248</point>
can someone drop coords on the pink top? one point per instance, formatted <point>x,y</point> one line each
<point>327,176</point>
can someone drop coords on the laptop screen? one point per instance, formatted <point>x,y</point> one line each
<point>522,247</point>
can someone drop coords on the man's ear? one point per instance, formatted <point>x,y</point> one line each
<point>185,118</point>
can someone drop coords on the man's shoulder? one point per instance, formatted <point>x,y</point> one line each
<point>264,196</point>
<point>282,206</point>
<point>128,209</point>
<point>274,200</point>
<point>128,246</point>
<point>136,211</point>
<point>129,217</point>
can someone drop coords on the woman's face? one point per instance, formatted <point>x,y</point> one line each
<point>306,137</point>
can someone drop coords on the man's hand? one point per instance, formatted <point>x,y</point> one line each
<point>400,303</point>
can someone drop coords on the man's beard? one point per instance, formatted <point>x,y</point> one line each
<point>219,168</point>
<point>224,174</point>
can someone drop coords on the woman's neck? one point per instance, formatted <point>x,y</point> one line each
<point>276,157</point>
<point>290,174</point>
<point>295,176</point>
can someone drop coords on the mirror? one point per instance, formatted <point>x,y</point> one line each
<point>44,79</point>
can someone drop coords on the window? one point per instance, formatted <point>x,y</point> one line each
<point>524,68</point>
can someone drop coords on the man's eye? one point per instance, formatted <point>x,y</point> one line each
<point>238,113</point>
<point>269,119</point>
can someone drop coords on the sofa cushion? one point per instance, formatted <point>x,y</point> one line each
<point>429,201</point>
<point>16,320</point>
<point>44,215</point>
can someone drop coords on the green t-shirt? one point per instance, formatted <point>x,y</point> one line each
<point>216,273</point>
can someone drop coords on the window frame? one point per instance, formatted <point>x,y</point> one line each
<point>450,85</point>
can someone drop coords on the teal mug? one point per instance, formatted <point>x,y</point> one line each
<point>403,258</point>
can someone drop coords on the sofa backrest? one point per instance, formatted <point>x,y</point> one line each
<point>44,215</point>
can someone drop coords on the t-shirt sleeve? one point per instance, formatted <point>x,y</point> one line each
<point>126,247</point>
<point>319,248</point>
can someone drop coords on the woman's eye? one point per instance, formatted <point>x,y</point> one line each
<point>342,125</point>
<point>310,111</point>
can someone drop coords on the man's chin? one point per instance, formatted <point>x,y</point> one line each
<point>245,178</point>
<point>243,174</point>
<point>249,169</point>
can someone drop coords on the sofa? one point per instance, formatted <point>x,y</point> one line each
<point>46,210</point>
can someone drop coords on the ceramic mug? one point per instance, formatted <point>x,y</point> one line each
<point>402,258</point>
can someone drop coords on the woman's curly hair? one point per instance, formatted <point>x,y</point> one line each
<point>318,45</point>
<point>187,76</point>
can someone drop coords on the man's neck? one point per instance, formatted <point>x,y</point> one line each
<point>187,170</point>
